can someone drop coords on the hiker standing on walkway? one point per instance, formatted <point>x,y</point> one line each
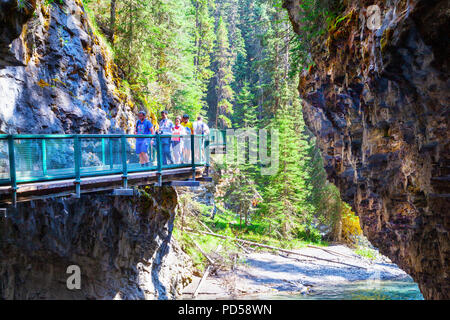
<point>200,128</point>
<point>177,142</point>
<point>165,128</point>
<point>143,126</point>
<point>187,124</point>
<point>187,139</point>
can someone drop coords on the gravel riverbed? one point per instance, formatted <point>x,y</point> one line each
<point>269,273</point>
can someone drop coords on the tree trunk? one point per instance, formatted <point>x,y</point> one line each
<point>112,22</point>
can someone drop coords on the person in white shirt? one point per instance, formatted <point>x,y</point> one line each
<point>200,128</point>
<point>187,138</point>
<point>177,142</point>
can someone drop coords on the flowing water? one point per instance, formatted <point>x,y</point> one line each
<point>358,290</point>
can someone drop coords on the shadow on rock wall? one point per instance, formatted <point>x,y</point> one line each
<point>123,247</point>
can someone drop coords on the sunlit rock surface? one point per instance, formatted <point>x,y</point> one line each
<point>56,76</point>
<point>122,246</point>
<point>378,104</point>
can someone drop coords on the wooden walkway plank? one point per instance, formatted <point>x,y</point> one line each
<point>48,189</point>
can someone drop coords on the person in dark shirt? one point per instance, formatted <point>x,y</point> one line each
<point>143,126</point>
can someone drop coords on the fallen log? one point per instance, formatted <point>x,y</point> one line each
<point>242,247</point>
<point>329,251</point>
<point>208,269</point>
<point>209,230</point>
<point>202,252</point>
<point>272,248</point>
<point>204,225</point>
<point>294,258</point>
<point>205,275</point>
<point>309,245</point>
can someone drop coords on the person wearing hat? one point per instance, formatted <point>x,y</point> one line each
<point>166,128</point>
<point>143,126</point>
<point>187,124</point>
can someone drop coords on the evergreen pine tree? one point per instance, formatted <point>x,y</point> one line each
<point>245,111</point>
<point>223,78</point>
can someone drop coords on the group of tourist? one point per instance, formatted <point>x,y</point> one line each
<point>175,149</point>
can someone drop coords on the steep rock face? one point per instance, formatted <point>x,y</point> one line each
<point>123,248</point>
<point>12,24</point>
<point>378,103</point>
<point>56,76</point>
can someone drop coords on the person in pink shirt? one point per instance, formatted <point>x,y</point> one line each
<point>177,142</point>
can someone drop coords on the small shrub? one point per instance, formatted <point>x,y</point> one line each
<point>366,253</point>
<point>309,234</point>
<point>351,227</point>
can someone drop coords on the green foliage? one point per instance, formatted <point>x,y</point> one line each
<point>245,114</point>
<point>204,41</point>
<point>306,233</point>
<point>223,77</point>
<point>231,60</point>
<point>155,48</point>
<point>287,194</point>
<point>265,96</point>
<point>366,253</point>
<point>46,2</point>
<point>227,223</point>
<point>351,228</point>
<point>314,17</point>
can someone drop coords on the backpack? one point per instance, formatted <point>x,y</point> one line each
<point>201,128</point>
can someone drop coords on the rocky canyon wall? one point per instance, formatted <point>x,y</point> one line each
<point>378,103</point>
<point>56,74</point>
<point>122,246</point>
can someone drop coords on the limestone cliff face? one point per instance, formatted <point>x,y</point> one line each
<point>123,248</point>
<point>378,103</point>
<point>56,76</point>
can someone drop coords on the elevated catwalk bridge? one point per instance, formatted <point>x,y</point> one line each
<point>44,166</point>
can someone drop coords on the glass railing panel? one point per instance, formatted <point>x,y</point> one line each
<point>43,159</point>
<point>141,154</point>
<point>57,158</point>
<point>184,150</point>
<point>199,147</point>
<point>100,156</point>
<point>4,161</point>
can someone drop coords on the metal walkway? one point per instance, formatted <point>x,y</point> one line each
<point>39,166</point>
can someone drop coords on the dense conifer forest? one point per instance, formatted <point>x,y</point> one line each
<point>237,63</point>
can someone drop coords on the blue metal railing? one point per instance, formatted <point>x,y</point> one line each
<point>217,138</point>
<point>33,158</point>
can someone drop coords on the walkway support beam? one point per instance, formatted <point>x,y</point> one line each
<point>159,159</point>
<point>44,157</point>
<point>124,162</point>
<point>193,156</point>
<point>12,169</point>
<point>207,155</point>
<point>111,155</point>
<point>77,160</point>
<point>103,152</point>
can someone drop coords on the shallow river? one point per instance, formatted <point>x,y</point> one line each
<point>358,290</point>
